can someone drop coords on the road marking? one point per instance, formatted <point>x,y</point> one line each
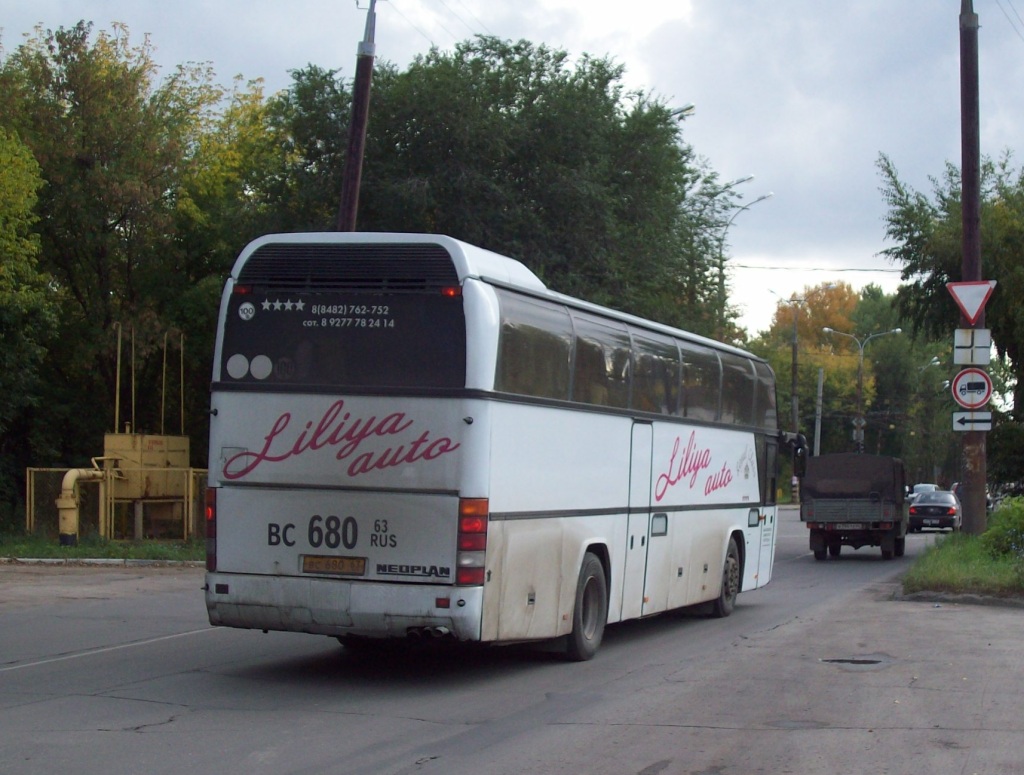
<point>105,649</point>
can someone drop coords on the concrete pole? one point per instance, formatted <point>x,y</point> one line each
<point>975,465</point>
<point>353,171</point>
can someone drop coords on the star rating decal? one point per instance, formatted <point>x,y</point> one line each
<point>287,305</point>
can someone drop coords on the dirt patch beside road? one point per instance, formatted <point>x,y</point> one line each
<point>31,583</point>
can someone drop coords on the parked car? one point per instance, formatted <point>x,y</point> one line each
<point>939,509</point>
<point>919,488</point>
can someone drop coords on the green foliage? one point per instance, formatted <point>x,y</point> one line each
<point>1005,450</point>
<point>112,148</point>
<point>129,197</point>
<point>1005,534</point>
<point>927,233</point>
<point>15,545</point>
<point>960,564</point>
<point>27,311</point>
<point>507,146</point>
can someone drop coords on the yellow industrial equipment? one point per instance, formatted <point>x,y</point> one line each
<point>146,487</point>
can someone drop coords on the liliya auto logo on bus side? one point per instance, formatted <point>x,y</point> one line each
<point>693,460</point>
<point>339,429</point>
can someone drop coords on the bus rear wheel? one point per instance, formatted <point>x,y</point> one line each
<point>726,601</point>
<point>590,613</point>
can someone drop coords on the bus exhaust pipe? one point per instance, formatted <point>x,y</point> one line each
<point>427,633</point>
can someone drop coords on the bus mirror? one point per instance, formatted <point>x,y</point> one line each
<point>800,456</point>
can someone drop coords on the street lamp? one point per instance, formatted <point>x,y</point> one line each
<point>861,344</point>
<point>721,249</point>
<point>683,113</point>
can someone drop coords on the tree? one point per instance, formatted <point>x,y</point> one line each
<point>825,305</point>
<point>111,147</point>
<point>507,146</point>
<point>927,233</point>
<point>27,307</point>
<point>928,244</point>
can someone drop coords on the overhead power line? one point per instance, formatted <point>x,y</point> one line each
<point>812,268</point>
<point>1017,25</point>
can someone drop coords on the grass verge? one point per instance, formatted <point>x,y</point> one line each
<point>960,564</point>
<point>94,547</point>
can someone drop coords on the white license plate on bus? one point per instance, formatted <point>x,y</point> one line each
<point>334,566</point>
<point>849,526</point>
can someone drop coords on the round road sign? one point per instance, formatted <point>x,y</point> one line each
<point>972,388</point>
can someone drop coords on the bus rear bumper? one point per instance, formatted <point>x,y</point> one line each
<point>340,607</point>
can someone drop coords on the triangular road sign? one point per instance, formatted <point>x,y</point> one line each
<point>971,297</point>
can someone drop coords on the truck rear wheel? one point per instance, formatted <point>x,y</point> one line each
<point>888,547</point>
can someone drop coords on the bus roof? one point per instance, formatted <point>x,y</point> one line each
<point>477,263</point>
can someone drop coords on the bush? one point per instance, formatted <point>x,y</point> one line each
<point>1005,534</point>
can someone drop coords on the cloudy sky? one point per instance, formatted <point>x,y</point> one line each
<point>802,94</point>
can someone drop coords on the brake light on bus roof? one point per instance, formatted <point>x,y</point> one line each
<point>451,291</point>
<point>471,542</point>
<point>243,290</point>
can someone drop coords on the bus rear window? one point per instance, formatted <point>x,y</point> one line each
<point>345,339</point>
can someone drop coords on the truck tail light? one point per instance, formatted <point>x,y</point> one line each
<point>211,529</point>
<point>472,541</point>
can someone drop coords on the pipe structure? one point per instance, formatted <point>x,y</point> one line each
<point>67,503</point>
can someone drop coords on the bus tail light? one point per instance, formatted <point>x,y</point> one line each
<point>211,529</point>
<point>472,541</point>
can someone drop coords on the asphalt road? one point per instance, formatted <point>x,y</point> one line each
<point>115,670</point>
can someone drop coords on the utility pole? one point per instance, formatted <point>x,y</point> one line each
<point>353,171</point>
<point>975,473</point>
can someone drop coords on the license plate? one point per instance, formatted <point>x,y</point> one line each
<point>849,526</point>
<point>334,566</point>
<point>931,521</point>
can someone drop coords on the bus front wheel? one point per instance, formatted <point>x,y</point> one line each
<point>590,613</point>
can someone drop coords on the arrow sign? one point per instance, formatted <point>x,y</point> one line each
<point>971,297</point>
<point>972,421</point>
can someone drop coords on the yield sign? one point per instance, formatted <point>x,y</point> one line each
<point>971,297</point>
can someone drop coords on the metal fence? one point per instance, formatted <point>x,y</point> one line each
<point>104,510</point>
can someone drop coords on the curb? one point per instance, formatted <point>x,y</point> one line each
<point>100,562</point>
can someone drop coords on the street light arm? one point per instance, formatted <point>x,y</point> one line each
<point>861,343</point>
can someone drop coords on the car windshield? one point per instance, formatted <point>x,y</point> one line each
<point>919,488</point>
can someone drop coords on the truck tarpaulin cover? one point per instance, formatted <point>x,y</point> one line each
<point>852,475</point>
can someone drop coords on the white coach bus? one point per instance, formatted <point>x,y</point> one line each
<point>412,436</point>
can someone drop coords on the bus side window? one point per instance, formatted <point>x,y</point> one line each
<point>766,412</point>
<point>656,374</point>
<point>737,390</point>
<point>533,348</point>
<point>701,390</point>
<point>601,372</point>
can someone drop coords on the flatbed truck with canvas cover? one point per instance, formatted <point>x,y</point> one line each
<point>856,500</point>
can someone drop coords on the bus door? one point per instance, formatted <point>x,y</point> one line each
<point>638,531</point>
<point>761,525</point>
